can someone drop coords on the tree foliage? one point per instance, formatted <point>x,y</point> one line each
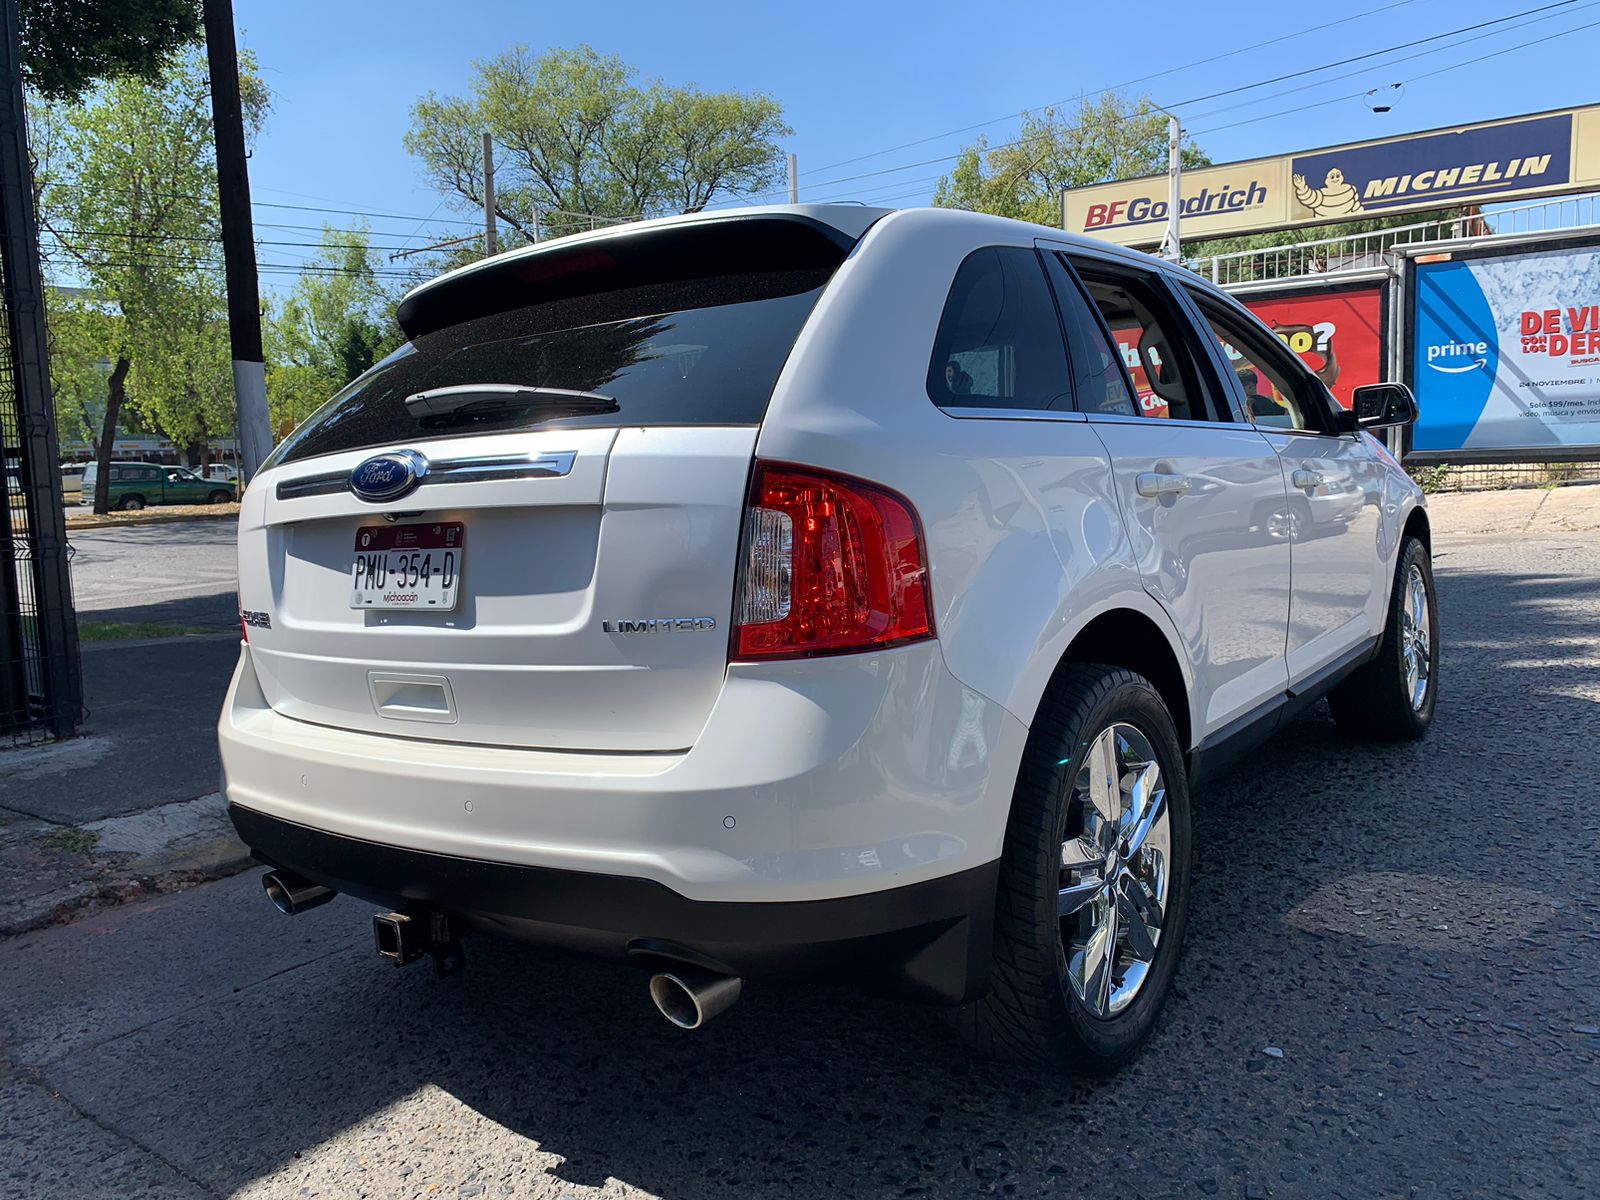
<point>338,322</point>
<point>576,132</point>
<point>69,44</point>
<point>128,209</point>
<point>1102,139</point>
<point>79,334</point>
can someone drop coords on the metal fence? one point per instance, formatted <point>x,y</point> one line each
<point>1489,477</point>
<point>36,702</point>
<point>1365,251</point>
<point>41,689</point>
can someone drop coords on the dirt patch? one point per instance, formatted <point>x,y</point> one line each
<point>87,519</point>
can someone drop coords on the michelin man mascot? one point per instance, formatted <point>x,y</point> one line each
<point>1335,198</point>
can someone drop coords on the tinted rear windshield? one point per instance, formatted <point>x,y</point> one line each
<point>705,349</point>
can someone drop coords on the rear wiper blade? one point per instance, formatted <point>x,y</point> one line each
<point>481,398</point>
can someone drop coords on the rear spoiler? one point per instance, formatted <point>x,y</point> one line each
<point>672,250</point>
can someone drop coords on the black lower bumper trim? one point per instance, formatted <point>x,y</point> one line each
<point>928,941</point>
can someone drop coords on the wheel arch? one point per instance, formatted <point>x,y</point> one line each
<point>1417,526</point>
<point>1137,640</point>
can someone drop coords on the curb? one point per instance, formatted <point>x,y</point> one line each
<point>224,512</point>
<point>138,856</point>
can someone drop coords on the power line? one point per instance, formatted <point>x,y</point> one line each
<point>1414,79</point>
<point>1355,95</point>
<point>1201,62</point>
<point>109,235</point>
<point>1199,99</point>
<point>1549,16</point>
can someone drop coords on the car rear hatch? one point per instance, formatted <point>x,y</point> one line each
<point>521,529</point>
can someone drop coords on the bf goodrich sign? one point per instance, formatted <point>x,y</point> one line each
<point>1543,155</point>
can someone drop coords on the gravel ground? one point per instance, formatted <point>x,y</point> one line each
<point>1391,988</point>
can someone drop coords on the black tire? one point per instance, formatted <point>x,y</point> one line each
<point>131,503</point>
<point>1030,1013</point>
<point>220,497</point>
<point>1374,704</point>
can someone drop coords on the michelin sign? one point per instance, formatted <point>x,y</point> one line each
<point>1543,155</point>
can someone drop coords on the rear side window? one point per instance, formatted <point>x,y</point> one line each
<point>999,341</point>
<point>675,330</point>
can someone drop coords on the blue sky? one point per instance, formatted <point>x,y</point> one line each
<point>856,78</point>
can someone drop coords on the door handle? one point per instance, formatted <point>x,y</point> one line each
<point>1161,483</point>
<point>1306,478</point>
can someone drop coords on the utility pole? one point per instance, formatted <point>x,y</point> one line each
<point>238,240</point>
<point>794,180</point>
<point>491,235</point>
<point>1171,243</point>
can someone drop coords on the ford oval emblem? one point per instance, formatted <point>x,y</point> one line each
<point>388,476</point>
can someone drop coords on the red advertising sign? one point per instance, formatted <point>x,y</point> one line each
<point>1339,334</point>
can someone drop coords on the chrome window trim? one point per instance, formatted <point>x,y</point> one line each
<point>551,465</point>
<point>1164,422</point>
<point>1009,414</point>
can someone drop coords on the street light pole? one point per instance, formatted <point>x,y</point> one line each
<point>1171,243</point>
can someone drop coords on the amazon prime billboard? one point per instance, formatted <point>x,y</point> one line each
<point>1505,352</point>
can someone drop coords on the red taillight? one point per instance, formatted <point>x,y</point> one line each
<point>829,565</point>
<point>244,627</point>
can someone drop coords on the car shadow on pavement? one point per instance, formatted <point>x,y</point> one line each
<point>1388,954</point>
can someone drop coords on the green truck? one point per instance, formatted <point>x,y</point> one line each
<point>136,484</point>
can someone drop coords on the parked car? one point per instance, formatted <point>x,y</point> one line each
<point>222,471</point>
<point>72,482</point>
<point>801,593</point>
<point>134,485</point>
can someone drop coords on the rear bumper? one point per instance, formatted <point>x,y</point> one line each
<point>928,941</point>
<point>810,781</point>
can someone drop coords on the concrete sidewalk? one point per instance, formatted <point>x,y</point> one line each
<point>131,808</point>
<point>1537,512</point>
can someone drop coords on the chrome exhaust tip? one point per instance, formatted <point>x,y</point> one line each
<point>690,996</point>
<point>292,895</point>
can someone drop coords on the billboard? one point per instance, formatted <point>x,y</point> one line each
<point>1338,333</point>
<point>1504,351</point>
<point>1519,157</point>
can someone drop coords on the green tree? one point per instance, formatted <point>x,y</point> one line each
<point>79,369</point>
<point>338,322</point>
<point>577,133</point>
<point>1102,139</point>
<point>68,44</point>
<point>128,205</point>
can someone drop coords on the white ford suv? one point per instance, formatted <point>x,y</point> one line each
<point>813,592</point>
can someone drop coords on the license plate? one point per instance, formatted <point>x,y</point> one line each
<point>407,566</point>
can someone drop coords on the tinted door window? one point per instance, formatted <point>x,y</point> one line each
<point>1101,383</point>
<point>1149,335</point>
<point>1276,391</point>
<point>999,341</point>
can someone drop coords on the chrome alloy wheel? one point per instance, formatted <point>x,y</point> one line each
<point>1416,639</point>
<point>1115,872</point>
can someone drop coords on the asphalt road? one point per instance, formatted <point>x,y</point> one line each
<point>1391,988</point>
<point>181,572</point>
